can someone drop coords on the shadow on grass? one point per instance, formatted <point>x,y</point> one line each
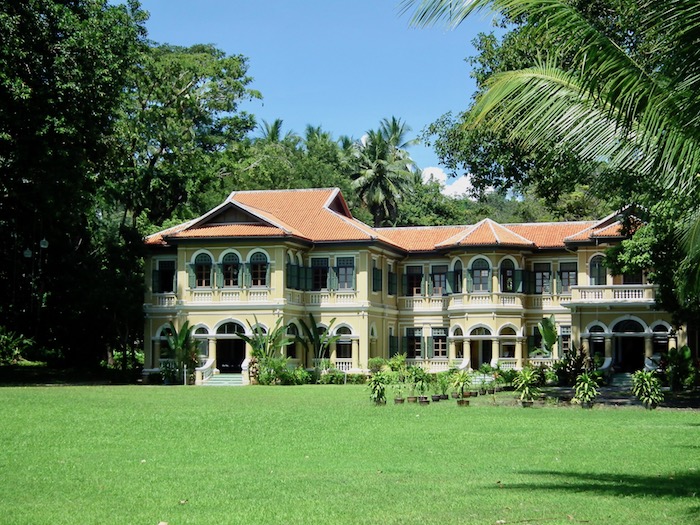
<point>676,485</point>
<point>15,375</point>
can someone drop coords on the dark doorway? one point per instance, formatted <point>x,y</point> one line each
<point>230,354</point>
<point>630,354</point>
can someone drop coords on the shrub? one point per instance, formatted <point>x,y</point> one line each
<point>586,388</point>
<point>647,387</point>
<point>397,362</point>
<point>377,388</point>
<point>12,345</point>
<point>375,364</point>
<point>332,377</point>
<point>357,379</point>
<point>573,364</point>
<point>679,367</point>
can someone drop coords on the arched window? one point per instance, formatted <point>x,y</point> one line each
<point>202,270</point>
<point>507,342</point>
<point>230,270</point>
<point>258,269</point>
<point>597,271</point>
<point>507,276</point>
<point>480,331</point>
<point>481,276</point>
<point>457,278</point>
<point>292,333</point>
<point>200,335</point>
<point>230,329</point>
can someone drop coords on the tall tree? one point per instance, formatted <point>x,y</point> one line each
<point>64,67</point>
<point>384,170</point>
<point>611,104</point>
<point>182,113</point>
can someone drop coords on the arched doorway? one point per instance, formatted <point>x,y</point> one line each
<point>481,351</point>
<point>230,349</point>
<point>628,346</point>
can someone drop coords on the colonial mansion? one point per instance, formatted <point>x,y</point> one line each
<point>443,295</point>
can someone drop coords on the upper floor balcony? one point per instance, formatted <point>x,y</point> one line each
<point>634,294</point>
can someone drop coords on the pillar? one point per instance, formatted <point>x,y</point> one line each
<point>519,353</point>
<point>451,350</point>
<point>586,346</point>
<point>211,342</point>
<point>608,346</point>
<point>648,345</point>
<point>156,353</point>
<point>356,353</point>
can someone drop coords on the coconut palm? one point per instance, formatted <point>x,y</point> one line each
<point>385,170</point>
<point>607,106</point>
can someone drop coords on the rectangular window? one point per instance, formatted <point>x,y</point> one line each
<point>565,339</point>
<point>345,270</point>
<point>376,277</point>
<point>568,276</point>
<point>543,278</point>
<point>439,280</point>
<point>414,339</point>
<point>343,349</point>
<point>392,281</point>
<point>414,280</point>
<point>440,342</point>
<point>164,276</point>
<point>319,274</point>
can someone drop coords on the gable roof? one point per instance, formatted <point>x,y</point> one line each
<point>322,216</point>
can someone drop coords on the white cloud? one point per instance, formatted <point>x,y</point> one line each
<point>450,187</point>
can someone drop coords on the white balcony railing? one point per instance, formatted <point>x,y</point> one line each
<point>164,300</point>
<point>616,293</point>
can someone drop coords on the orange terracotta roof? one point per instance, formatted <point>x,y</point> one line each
<point>322,215</point>
<point>549,234</point>
<point>229,230</point>
<point>488,233</point>
<point>420,238</point>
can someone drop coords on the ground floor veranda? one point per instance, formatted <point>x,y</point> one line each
<point>627,341</point>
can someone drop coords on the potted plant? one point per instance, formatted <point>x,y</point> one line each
<point>435,385</point>
<point>586,390</point>
<point>398,393</point>
<point>412,378</point>
<point>460,382</point>
<point>423,385</point>
<point>443,380</point>
<point>377,388</point>
<point>526,383</point>
<point>647,388</point>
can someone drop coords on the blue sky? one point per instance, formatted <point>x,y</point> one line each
<point>341,65</point>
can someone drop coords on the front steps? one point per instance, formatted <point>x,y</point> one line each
<point>225,380</point>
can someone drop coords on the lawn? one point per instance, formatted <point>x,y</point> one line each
<point>324,454</point>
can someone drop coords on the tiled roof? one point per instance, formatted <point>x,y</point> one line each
<point>549,234</point>
<point>322,215</point>
<point>488,233</point>
<point>229,230</point>
<point>420,238</point>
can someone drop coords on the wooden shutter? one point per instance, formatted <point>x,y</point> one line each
<point>155,281</point>
<point>191,276</point>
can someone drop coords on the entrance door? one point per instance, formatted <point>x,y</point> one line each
<point>230,354</point>
<point>481,353</point>
<point>630,354</point>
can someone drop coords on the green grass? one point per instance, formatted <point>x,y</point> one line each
<point>324,454</point>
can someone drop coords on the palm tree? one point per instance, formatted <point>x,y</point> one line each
<point>609,105</point>
<point>183,346</point>
<point>384,169</point>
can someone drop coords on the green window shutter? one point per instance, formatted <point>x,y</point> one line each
<point>332,279</point>
<point>404,284</point>
<point>392,283</point>
<point>404,345</point>
<point>449,282</point>
<point>295,277</point>
<point>267,275</point>
<point>155,281</point>
<point>558,282</point>
<point>288,279</point>
<point>470,281</point>
<point>530,344</point>
<point>219,274</point>
<point>490,281</point>
<point>212,275</point>
<point>191,275</point>
<point>308,278</point>
<point>429,285</point>
<point>247,278</point>
<point>430,348</point>
<point>559,344</point>
<point>393,345</point>
<point>518,281</point>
